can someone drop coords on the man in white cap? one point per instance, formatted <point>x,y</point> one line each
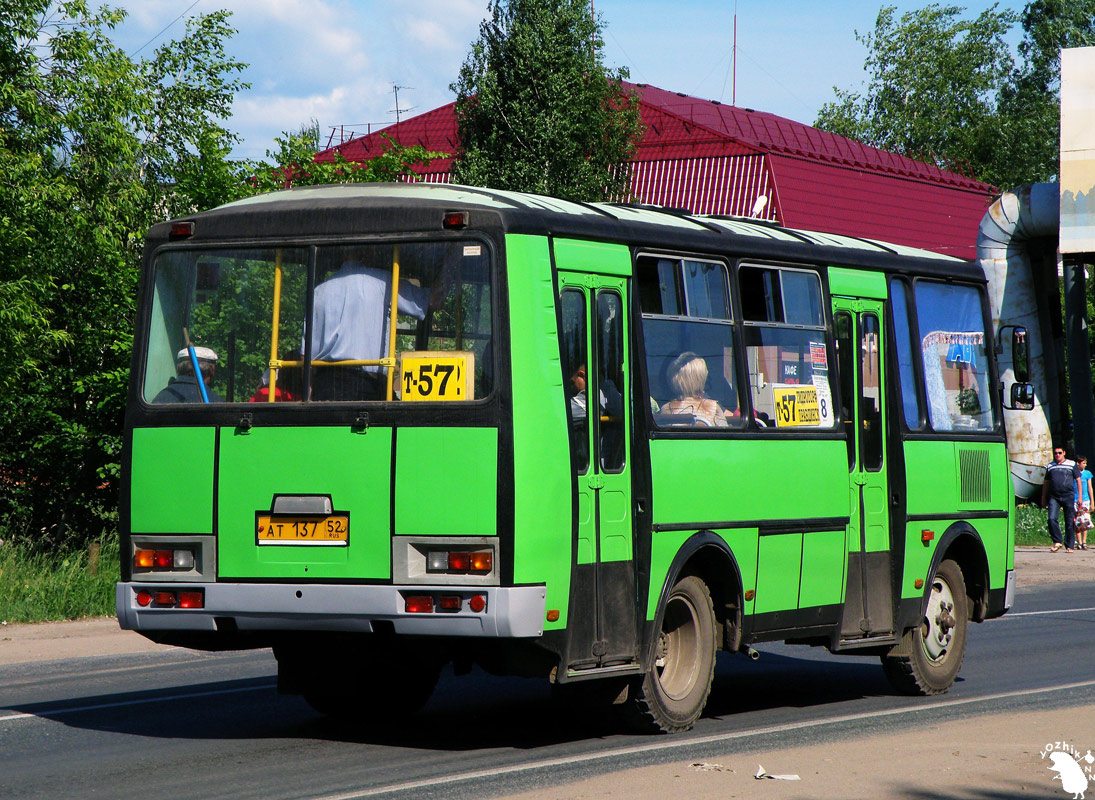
<point>184,388</point>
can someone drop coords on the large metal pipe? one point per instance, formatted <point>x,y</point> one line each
<point>1014,263</point>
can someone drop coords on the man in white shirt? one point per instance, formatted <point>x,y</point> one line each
<point>351,321</point>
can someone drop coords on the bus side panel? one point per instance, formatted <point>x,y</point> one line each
<point>354,468</point>
<point>950,479</point>
<point>171,488</point>
<point>543,499</point>
<point>705,482</point>
<point>665,545</point>
<point>446,482</point>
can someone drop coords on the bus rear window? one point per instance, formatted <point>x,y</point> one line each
<point>232,324</point>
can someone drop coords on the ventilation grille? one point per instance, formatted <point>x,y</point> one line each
<point>973,473</point>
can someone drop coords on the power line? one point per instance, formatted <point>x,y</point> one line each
<point>165,27</point>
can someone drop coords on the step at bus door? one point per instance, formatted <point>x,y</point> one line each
<point>868,602</point>
<point>602,617</point>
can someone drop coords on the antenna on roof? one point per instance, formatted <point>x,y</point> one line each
<point>734,60</point>
<point>397,110</point>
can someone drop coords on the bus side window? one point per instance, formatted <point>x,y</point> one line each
<point>845,350</point>
<point>575,373</point>
<point>785,347</point>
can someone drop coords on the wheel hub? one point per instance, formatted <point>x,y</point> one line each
<point>939,622</point>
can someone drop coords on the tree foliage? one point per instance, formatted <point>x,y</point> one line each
<point>91,143</point>
<point>538,110</point>
<point>95,147</point>
<point>947,90</point>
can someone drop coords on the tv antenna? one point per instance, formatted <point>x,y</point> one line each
<point>397,110</point>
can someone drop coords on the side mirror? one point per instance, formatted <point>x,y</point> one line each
<point>1022,396</point>
<point>1020,355</point>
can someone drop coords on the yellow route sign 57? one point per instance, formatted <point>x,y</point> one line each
<point>437,375</point>
<point>796,405</point>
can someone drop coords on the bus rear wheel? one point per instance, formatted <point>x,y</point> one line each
<point>931,654</point>
<point>672,694</point>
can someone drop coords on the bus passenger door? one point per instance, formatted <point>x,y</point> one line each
<point>868,600</point>
<point>602,621</point>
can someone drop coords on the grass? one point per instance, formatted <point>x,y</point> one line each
<point>40,587</point>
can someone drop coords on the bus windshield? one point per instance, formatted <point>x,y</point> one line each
<point>232,324</point>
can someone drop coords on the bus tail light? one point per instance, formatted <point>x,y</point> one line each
<point>180,558</point>
<point>171,598</point>
<point>450,602</point>
<point>419,604</point>
<point>456,561</point>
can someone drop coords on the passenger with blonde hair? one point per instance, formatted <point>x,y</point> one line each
<point>688,374</point>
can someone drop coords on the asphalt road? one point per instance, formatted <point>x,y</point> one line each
<point>180,724</point>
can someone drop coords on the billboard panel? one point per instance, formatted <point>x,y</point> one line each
<point>1078,150</point>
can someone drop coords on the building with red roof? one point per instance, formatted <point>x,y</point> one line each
<point>712,158</point>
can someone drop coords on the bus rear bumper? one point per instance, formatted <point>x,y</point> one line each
<point>509,612</point>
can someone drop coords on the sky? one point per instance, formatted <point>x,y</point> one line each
<point>337,61</point>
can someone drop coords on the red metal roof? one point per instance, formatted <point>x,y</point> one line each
<point>713,158</point>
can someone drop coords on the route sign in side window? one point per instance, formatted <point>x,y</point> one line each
<point>785,347</point>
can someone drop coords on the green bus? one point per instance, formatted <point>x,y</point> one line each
<point>384,428</point>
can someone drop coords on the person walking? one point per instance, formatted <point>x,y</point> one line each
<point>1059,489</point>
<point>1083,503</point>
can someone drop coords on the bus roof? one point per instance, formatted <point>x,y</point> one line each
<point>336,210</point>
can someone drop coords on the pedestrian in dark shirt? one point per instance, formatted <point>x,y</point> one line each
<point>1059,490</point>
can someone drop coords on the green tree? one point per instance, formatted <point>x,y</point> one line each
<point>1027,149</point>
<point>92,144</point>
<point>537,109</point>
<point>933,82</point>
<point>945,89</point>
<point>293,164</point>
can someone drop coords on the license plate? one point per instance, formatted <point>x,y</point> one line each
<point>333,530</point>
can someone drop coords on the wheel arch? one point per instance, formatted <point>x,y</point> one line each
<point>962,544</point>
<point>706,556</point>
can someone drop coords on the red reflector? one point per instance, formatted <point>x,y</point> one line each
<point>191,600</point>
<point>181,230</point>
<point>419,604</point>
<point>163,559</point>
<point>144,598</point>
<point>450,602</point>
<point>927,536</point>
<point>164,598</point>
<point>455,220</point>
<point>477,603</point>
<point>460,561</point>
<point>481,562</point>
<point>553,615</point>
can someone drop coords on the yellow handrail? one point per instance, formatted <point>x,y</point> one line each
<point>274,329</point>
<point>392,319</point>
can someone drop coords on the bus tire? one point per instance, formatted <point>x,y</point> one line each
<point>670,697</point>
<point>930,655</point>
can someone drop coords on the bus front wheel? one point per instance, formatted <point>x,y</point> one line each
<point>930,655</point>
<point>671,695</point>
